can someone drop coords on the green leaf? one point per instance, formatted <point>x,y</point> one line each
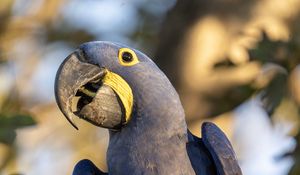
<point>10,122</point>
<point>274,93</point>
<point>7,135</point>
<point>283,53</point>
<point>16,121</point>
<point>270,51</point>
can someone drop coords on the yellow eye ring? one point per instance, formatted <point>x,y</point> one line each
<point>127,57</point>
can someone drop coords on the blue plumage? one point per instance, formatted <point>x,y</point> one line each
<point>156,139</point>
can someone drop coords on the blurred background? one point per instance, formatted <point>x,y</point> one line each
<point>233,62</point>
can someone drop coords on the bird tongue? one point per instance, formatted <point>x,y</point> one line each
<point>102,108</point>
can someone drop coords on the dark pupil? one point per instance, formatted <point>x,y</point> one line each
<point>127,57</point>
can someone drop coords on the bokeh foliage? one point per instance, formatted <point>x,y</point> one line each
<point>218,54</point>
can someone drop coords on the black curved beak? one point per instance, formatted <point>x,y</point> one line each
<point>71,76</point>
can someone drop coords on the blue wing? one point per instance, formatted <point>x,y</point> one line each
<point>200,158</point>
<point>220,149</point>
<point>86,167</point>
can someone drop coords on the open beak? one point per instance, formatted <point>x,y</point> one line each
<point>83,90</point>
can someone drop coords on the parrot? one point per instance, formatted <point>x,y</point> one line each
<point>116,87</point>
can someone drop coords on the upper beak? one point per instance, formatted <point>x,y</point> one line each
<point>71,75</point>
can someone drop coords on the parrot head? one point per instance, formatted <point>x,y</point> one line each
<point>103,83</point>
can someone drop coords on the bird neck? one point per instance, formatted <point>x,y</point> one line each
<point>154,141</point>
<point>143,150</point>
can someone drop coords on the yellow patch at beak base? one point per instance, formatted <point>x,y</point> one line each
<point>123,90</point>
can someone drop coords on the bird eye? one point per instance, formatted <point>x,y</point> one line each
<point>127,57</point>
